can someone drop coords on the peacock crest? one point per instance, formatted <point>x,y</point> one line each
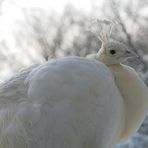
<point>102,29</point>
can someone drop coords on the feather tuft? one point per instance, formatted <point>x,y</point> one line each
<point>102,29</point>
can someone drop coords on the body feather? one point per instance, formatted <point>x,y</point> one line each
<point>61,104</point>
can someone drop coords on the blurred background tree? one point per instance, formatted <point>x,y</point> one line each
<point>37,35</point>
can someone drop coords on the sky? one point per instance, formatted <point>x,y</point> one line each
<point>11,12</point>
<point>12,9</point>
<point>56,5</point>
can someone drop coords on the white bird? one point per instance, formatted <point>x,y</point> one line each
<point>73,103</point>
<point>131,87</point>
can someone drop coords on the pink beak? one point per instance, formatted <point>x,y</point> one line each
<point>130,53</point>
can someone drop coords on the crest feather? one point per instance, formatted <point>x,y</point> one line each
<point>102,29</point>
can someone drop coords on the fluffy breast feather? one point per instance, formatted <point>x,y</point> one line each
<point>135,97</point>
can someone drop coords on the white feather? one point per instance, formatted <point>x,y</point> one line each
<point>66,103</point>
<point>135,97</point>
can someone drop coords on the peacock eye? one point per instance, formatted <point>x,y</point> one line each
<point>112,51</point>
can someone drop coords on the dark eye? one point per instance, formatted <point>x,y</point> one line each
<point>112,52</point>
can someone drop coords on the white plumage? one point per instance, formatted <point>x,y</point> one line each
<point>72,103</point>
<point>66,103</point>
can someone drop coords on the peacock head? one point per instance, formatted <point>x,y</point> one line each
<point>112,51</point>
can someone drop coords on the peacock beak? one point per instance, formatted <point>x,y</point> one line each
<point>130,53</point>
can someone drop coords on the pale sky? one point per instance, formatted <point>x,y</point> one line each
<point>56,5</point>
<point>11,9</point>
<point>12,12</point>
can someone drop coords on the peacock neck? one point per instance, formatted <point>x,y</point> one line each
<point>133,91</point>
